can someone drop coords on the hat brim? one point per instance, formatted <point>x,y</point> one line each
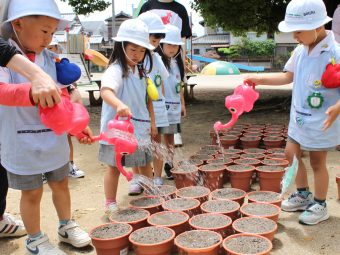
<point>158,31</point>
<point>287,27</point>
<point>172,42</point>
<point>126,39</point>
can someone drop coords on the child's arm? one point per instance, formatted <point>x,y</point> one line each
<point>16,94</point>
<point>270,79</point>
<point>44,90</point>
<point>333,112</point>
<point>110,98</point>
<point>154,130</point>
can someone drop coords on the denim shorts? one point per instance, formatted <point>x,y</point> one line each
<point>31,182</point>
<point>289,139</point>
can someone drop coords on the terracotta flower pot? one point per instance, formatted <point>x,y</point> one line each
<point>229,141</point>
<point>255,151</point>
<point>338,182</point>
<point>268,197</point>
<point>190,206</point>
<point>191,162</point>
<point>202,157</point>
<point>240,176</point>
<point>165,191</point>
<point>256,225</point>
<point>152,240</point>
<point>213,175</point>
<point>232,151</point>
<point>111,238</point>
<point>250,142</point>
<point>275,162</point>
<point>263,210</point>
<point>152,204</point>
<point>198,192</point>
<point>233,194</point>
<point>228,156</point>
<point>133,216</point>
<point>272,142</point>
<point>276,150</point>
<point>206,242</point>
<point>226,207</point>
<point>270,177</point>
<point>237,242</point>
<point>216,222</point>
<point>185,176</point>
<point>276,156</point>
<point>226,162</point>
<point>248,161</point>
<point>177,221</point>
<point>257,156</point>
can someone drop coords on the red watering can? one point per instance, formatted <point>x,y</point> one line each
<point>241,101</point>
<point>120,135</point>
<point>66,117</point>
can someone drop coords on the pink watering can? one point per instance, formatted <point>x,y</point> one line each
<point>120,135</point>
<point>65,117</point>
<point>241,101</point>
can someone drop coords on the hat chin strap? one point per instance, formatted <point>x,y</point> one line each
<point>20,44</point>
<point>174,57</point>
<point>127,55</point>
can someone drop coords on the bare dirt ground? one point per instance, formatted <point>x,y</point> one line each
<point>88,196</point>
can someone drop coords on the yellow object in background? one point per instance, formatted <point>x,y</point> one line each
<point>151,89</point>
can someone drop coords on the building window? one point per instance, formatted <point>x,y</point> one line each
<point>196,51</point>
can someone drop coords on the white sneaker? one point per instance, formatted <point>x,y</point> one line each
<point>74,235</point>
<point>42,246</point>
<point>111,208</point>
<point>11,227</point>
<point>314,214</point>
<point>75,172</point>
<point>297,202</point>
<point>178,140</point>
<point>158,181</point>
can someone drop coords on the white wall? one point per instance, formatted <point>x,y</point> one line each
<point>284,38</point>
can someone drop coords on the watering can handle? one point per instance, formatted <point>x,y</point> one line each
<point>128,117</point>
<point>250,84</point>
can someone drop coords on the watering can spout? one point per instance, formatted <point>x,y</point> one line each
<point>128,175</point>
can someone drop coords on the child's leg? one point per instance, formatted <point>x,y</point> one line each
<point>61,198</point>
<point>169,141</point>
<point>301,179</point>
<point>111,179</point>
<point>30,210</point>
<point>75,172</point>
<point>157,162</point>
<point>146,170</point>
<point>321,178</point>
<point>70,144</point>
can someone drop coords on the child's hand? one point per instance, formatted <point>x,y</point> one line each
<point>333,112</point>
<point>86,136</point>
<point>183,111</point>
<point>44,91</point>
<point>123,110</point>
<point>76,97</point>
<point>154,131</point>
<point>253,79</point>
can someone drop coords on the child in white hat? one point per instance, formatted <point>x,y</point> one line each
<point>313,125</point>
<point>124,94</point>
<point>170,50</point>
<point>28,147</point>
<point>158,74</point>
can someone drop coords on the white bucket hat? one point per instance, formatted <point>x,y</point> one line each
<point>154,22</point>
<point>304,15</point>
<point>173,35</point>
<point>134,31</point>
<point>22,8</point>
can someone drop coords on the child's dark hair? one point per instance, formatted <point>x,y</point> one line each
<point>167,60</point>
<point>119,56</point>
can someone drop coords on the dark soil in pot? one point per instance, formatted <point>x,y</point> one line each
<point>210,147</point>
<point>185,169</point>
<point>111,230</point>
<point>191,162</point>
<point>252,156</point>
<point>210,221</point>
<point>151,235</point>
<point>254,151</point>
<point>272,138</point>
<point>164,191</point>
<point>243,244</point>
<point>276,150</point>
<point>193,191</point>
<point>129,215</point>
<point>259,209</point>
<point>198,239</point>
<point>240,168</point>
<point>207,152</point>
<point>270,168</point>
<point>224,161</point>
<point>201,157</point>
<point>228,193</point>
<point>212,167</point>
<point>254,225</point>
<point>264,196</point>
<point>256,134</point>
<point>275,162</point>
<point>220,206</point>
<point>227,156</point>
<point>247,161</point>
<point>232,151</point>
<point>167,218</point>
<point>146,201</point>
<point>181,204</point>
<point>276,156</point>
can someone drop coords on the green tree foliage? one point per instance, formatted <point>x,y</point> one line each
<point>240,16</point>
<point>85,7</point>
<point>249,48</point>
